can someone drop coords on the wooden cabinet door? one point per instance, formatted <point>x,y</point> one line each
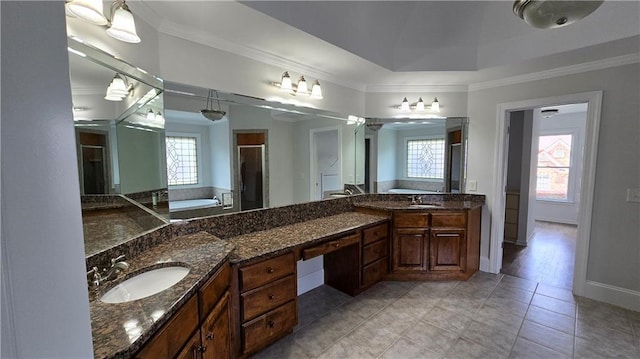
<point>448,248</point>
<point>216,331</point>
<point>410,250</point>
<point>193,348</point>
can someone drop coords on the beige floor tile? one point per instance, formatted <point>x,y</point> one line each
<point>285,348</point>
<point>447,320</point>
<point>498,340</point>
<point>346,348</point>
<point>514,307</point>
<point>466,306</point>
<point>465,349</point>
<point>551,319</point>
<point>555,292</point>
<point>406,349</point>
<point>548,337</point>
<point>554,305</point>
<point>520,283</point>
<point>365,308</point>
<point>373,338</point>
<point>600,337</point>
<point>498,318</point>
<point>395,319</point>
<point>525,349</point>
<point>418,307</point>
<point>506,292</point>
<point>588,349</point>
<point>432,338</point>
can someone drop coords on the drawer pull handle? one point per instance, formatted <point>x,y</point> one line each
<point>202,348</point>
<point>337,244</point>
<point>209,336</point>
<point>272,297</point>
<point>272,324</point>
<point>270,270</point>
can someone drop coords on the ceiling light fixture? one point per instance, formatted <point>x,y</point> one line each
<point>545,14</point>
<point>299,89</point>
<point>419,106</point>
<point>209,113</point>
<point>120,25</point>
<point>118,89</point>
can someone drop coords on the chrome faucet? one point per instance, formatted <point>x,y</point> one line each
<point>415,199</point>
<point>348,191</point>
<point>95,278</point>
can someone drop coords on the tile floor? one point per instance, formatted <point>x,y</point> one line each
<point>489,316</point>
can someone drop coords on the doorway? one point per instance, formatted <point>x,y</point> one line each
<point>587,179</point>
<point>93,158</point>
<point>251,170</point>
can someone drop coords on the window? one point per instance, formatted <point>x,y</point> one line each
<point>554,167</point>
<point>425,158</point>
<point>182,160</point>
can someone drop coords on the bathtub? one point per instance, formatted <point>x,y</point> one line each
<point>409,191</point>
<point>193,204</point>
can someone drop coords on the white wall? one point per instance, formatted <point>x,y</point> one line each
<point>45,307</point>
<point>565,212</point>
<point>387,154</point>
<point>220,155</point>
<point>614,249</point>
<point>141,159</point>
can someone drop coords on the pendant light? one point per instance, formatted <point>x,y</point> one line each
<point>209,113</point>
<point>87,10</point>
<point>122,26</point>
<point>545,14</point>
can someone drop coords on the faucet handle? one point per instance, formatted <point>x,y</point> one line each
<point>93,277</point>
<point>117,259</point>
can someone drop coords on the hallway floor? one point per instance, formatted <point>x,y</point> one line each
<point>548,258</point>
<point>488,316</point>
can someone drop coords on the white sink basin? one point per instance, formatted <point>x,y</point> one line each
<point>145,284</point>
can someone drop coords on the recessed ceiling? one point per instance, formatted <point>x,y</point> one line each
<point>397,42</point>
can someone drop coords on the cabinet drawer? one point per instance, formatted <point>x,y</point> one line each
<point>448,219</point>
<point>267,297</point>
<point>374,272</point>
<point>330,246</point>
<point>373,234</point>
<point>172,337</point>
<point>268,327</point>
<point>214,289</point>
<point>255,275</point>
<point>375,251</point>
<point>411,220</point>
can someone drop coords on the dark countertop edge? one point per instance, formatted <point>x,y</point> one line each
<point>316,240</point>
<point>186,295</point>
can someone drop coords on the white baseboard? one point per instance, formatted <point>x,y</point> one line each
<point>626,298</point>
<point>310,281</point>
<point>557,220</point>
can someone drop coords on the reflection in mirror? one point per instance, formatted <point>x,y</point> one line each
<point>417,156</point>
<point>260,154</point>
<point>120,147</point>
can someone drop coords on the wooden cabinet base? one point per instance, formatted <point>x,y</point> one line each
<point>424,276</point>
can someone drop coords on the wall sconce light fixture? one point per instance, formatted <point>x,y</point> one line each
<point>120,25</point>
<point>154,119</point>
<point>419,106</point>
<point>300,89</point>
<point>118,89</point>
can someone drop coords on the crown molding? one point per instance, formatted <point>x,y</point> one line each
<point>557,72</point>
<point>381,88</point>
<point>183,32</point>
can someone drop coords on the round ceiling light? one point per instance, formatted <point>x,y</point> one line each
<point>553,14</point>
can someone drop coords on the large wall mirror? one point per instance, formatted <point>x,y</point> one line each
<point>154,156</point>
<point>119,124</point>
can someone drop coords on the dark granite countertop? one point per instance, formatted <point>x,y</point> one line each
<point>426,206</point>
<point>280,239</point>
<point>119,330</point>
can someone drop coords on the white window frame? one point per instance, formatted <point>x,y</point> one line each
<point>405,162</point>
<point>198,158</point>
<point>573,177</point>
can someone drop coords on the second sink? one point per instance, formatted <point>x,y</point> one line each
<point>145,284</point>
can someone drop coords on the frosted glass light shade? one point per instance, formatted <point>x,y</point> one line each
<point>285,83</point>
<point>405,105</point>
<point>435,105</point>
<point>123,27</point>
<point>316,90</point>
<point>87,10</point>
<point>553,14</point>
<point>420,105</point>
<point>302,87</point>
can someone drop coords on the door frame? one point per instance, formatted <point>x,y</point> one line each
<point>585,208</point>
